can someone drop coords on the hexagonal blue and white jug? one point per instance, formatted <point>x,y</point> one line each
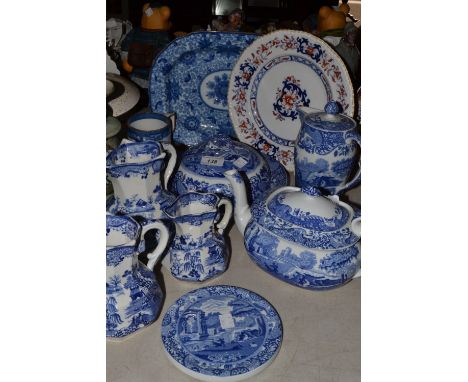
<point>198,251</point>
<point>135,170</point>
<point>133,296</point>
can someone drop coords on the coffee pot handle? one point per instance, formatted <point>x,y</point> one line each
<point>227,215</point>
<point>154,256</point>
<point>354,136</point>
<point>171,164</point>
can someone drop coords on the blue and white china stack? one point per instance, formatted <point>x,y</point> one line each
<point>198,251</point>
<point>326,150</point>
<point>133,296</point>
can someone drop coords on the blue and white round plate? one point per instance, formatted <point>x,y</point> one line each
<point>275,76</point>
<point>191,77</point>
<point>221,333</point>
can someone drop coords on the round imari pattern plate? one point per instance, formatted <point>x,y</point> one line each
<point>278,73</point>
<point>191,77</point>
<point>221,333</point>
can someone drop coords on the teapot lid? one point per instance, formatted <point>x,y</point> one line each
<point>330,119</point>
<point>307,208</point>
<point>220,154</point>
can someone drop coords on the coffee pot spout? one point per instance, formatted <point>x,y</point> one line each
<point>302,113</point>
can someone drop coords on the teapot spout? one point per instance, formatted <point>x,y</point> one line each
<point>242,214</point>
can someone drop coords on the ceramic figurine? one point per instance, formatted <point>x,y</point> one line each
<point>349,52</point>
<point>135,168</point>
<point>143,43</point>
<point>198,251</point>
<point>299,236</point>
<point>326,150</point>
<point>150,127</point>
<point>202,168</point>
<point>133,296</point>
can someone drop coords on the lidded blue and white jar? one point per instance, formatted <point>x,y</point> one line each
<point>326,150</point>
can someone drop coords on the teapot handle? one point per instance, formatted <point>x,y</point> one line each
<point>354,136</point>
<point>227,215</point>
<point>171,164</point>
<point>162,244</point>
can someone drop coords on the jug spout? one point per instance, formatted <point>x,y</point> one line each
<point>242,213</point>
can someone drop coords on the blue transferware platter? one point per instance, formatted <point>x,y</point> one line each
<point>191,77</point>
<point>221,333</point>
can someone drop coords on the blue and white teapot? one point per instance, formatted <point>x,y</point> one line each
<point>202,168</point>
<point>326,150</point>
<point>300,236</point>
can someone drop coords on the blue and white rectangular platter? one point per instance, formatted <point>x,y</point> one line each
<point>191,77</point>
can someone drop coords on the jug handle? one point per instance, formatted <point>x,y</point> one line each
<point>163,241</point>
<point>171,164</point>
<point>354,136</point>
<point>227,215</point>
